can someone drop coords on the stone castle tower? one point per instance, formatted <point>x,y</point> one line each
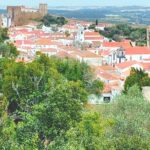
<point>14,12</point>
<point>43,9</point>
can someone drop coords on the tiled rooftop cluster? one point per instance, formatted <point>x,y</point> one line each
<point>112,61</point>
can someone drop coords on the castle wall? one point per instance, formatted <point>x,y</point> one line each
<point>21,15</point>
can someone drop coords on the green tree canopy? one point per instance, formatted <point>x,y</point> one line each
<point>49,20</point>
<point>131,114</point>
<point>3,34</point>
<point>137,76</point>
<point>45,98</point>
<point>124,31</point>
<point>89,134</point>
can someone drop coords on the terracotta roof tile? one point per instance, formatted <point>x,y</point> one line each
<point>43,41</point>
<point>91,34</point>
<point>137,51</point>
<point>126,64</point>
<point>116,44</point>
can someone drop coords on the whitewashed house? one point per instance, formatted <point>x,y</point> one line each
<point>6,21</point>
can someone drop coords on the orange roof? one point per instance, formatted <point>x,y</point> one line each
<point>104,52</point>
<point>24,42</point>
<point>126,64</point>
<point>94,38</point>
<point>86,54</point>
<point>62,54</point>
<point>117,44</point>
<point>146,66</point>
<point>89,34</point>
<point>49,50</point>
<point>68,48</point>
<point>106,68</point>
<point>137,51</point>
<point>43,41</point>
<point>129,64</point>
<point>108,76</point>
<point>109,87</point>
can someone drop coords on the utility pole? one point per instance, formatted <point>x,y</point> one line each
<point>148,37</point>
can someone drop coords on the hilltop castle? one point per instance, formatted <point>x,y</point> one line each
<point>21,15</point>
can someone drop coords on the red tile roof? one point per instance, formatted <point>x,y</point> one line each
<point>137,51</point>
<point>116,44</point>
<point>49,50</point>
<point>126,64</point>
<point>24,42</point>
<point>63,54</point>
<point>91,34</point>
<point>104,53</point>
<point>86,54</point>
<point>43,41</point>
<point>108,76</point>
<point>106,68</point>
<point>129,64</point>
<point>68,48</point>
<point>146,66</point>
<point>94,38</point>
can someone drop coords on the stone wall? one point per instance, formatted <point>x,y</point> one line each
<point>20,17</point>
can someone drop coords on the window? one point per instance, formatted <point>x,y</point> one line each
<point>140,57</point>
<point>130,57</point>
<point>106,99</point>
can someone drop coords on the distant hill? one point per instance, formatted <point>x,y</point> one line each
<point>131,14</point>
<point>2,11</point>
<point>128,14</point>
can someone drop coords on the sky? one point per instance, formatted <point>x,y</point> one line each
<point>34,3</point>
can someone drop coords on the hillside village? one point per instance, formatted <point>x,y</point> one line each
<point>69,84</point>
<point>111,61</point>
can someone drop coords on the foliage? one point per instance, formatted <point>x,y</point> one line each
<point>60,110</point>
<point>45,98</point>
<point>117,38</point>
<point>96,85</point>
<point>42,107</point>
<point>96,22</point>
<point>49,20</point>
<point>118,32</point>
<point>137,76</point>
<point>125,125</point>
<point>89,134</point>
<point>3,34</point>
<point>67,34</point>
<point>92,26</point>
<point>7,50</point>
<point>131,116</point>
